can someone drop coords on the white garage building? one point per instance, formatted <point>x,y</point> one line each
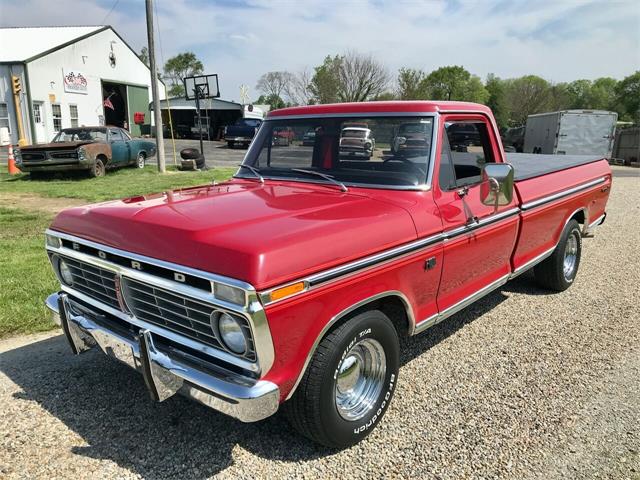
<point>71,76</point>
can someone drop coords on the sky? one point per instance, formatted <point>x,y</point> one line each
<point>560,40</point>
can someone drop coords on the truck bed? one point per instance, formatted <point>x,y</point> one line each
<point>530,165</point>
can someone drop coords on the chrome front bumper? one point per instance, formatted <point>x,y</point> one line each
<point>164,374</point>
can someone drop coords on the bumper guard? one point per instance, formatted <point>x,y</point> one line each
<point>164,375</point>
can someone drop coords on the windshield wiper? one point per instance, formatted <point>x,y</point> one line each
<point>323,175</point>
<point>253,170</point>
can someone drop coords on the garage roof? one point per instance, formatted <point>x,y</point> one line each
<point>22,43</point>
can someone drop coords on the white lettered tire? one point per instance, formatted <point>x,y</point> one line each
<point>349,383</point>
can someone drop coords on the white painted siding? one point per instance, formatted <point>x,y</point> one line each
<point>91,57</point>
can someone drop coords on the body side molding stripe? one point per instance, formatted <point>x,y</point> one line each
<point>559,195</point>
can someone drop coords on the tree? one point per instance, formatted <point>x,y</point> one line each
<point>603,94</point>
<point>177,68</point>
<point>273,100</point>
<point>273,84</point>
<point>325,82</point>
<point>497,100</point>
<point>411,85</point>
<point>525,96</point>
<point>361,77</point>
<point>579,91</point>
<point>455,83</point>
<point>628,97</point>
<point>352,77</point>
<point>298,89</point>
<point>144,55</point>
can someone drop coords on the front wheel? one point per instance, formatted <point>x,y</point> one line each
<point>559,270</point>
<point>349,382</point>
<point>97,169</point>
<point>140,160</point>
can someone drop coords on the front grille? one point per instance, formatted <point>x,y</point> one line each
<point>64,154</point>
<point>176,312</point>
<point>94,281</point>
<point>33,157</point>
<point>172,311</point>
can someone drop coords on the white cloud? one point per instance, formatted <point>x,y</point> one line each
<point>560,40</point>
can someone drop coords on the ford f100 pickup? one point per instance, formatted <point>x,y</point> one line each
<point>290,285</point>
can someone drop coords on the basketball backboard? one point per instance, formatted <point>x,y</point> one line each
<point>205,85</point>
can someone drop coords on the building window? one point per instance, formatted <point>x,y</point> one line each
<point>37,113</point>
<point>57,117</point>
<point>73,113</point>
<point>4,116</point>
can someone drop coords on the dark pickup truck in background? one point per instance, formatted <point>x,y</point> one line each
<point>241,132</point>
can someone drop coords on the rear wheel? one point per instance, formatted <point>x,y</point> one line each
<point>559,270</point>
<point>349,382</point>
<point>97,169</point>
<point>231,144</point>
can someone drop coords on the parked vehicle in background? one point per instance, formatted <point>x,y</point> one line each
<point>241,132</point>
<point>411,139</point>
<point>626,147</point>
<point>94,149</point>
<point>309,138</point>
<point>571,132</point>
<point>283,136</point>
<point>356,142</point>
<point>293,282</point>
<point>514,137</point>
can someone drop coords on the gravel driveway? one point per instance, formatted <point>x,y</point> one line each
<point>523,384</point>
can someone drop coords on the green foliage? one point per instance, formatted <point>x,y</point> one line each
<point>325,83</point>
<point>628,97</point>
<point>411,84</point>
<point>273,100</point>
<point>527,95</point>
<point>497,100</point>
<point>177,68</point>
<point>455,83</point>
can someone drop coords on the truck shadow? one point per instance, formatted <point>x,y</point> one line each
<point>108,406</point>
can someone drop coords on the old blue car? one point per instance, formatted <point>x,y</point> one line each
<point>94,149</point>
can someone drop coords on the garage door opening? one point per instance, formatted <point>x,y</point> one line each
<point>114,103</point>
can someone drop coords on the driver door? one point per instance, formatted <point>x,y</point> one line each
<point>479,240</point>
<point>120,148</point>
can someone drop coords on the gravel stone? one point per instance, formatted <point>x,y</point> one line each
<point>525,384</point>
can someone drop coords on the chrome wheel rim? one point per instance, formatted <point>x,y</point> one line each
<point>359,379</point>
<point>570,256</point>
<point>140,161</point>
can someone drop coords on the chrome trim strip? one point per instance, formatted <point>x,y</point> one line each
<point>559,195</point>
<point>154,261</point>
<point>455,308</point>
<point>338,272</point>
<point>253,311</point>
<point>164,373</point>
<point>596,223</point>
<point>534,261</point>
<point>342,314</point>
<point>412,188</point>
<point>350,115</point>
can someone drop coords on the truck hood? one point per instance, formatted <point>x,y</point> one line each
<point>263,234</point>
<point>55,146</point>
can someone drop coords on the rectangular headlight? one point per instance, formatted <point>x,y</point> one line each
<point>53,241</point>
<point>229,294</point>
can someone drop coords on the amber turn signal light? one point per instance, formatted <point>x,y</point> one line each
<point>287,291</point>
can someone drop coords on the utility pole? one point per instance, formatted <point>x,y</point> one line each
<point>157,114</point>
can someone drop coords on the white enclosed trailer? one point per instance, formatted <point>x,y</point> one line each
<point>571,132</point>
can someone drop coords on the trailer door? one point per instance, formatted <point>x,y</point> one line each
<point>586,134</point>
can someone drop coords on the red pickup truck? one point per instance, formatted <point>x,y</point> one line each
<point>292,282</point>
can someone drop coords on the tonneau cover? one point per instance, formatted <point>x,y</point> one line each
<point>530,165</point>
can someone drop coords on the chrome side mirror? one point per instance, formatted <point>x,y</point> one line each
<point>496,188</point>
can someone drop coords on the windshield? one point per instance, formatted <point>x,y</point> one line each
<point>383,158</point>
<point>80,134</point>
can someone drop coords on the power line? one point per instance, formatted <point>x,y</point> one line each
<point>110,11</point>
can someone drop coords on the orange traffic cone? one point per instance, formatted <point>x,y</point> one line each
<point>11,162</point>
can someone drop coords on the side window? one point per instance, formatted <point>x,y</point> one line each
<point>115,135</point>
<point>469,148</point>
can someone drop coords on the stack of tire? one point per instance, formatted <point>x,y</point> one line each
<point>192,159</point>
